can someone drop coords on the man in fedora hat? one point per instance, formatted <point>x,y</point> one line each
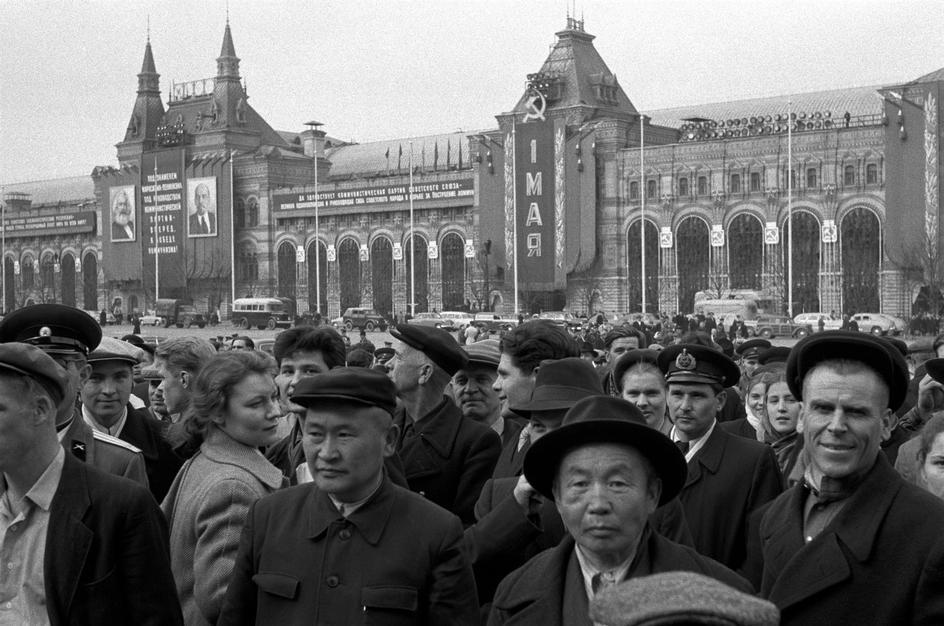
<point>446,457</point>
<point>852,542</point>
<point>728,476</point>
<point>606,472</point>
<point>514,522</point>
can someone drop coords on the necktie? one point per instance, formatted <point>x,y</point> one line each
<point>602,581</point>
<point>683,446</point>
<point>206,225</point>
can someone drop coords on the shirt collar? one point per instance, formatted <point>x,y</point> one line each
<point>694,445</point>
<point>589,571</point>
<point>499,425</point>
<point>114,430</point>
<point>43,490</point>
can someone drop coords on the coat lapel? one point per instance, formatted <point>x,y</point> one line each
<point>68,540</point>
<point>433,441</point>
<point>708,458</point>
<point>539,600</point>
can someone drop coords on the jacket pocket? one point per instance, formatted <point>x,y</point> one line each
<point>390,606</point>
<point>281,585</point>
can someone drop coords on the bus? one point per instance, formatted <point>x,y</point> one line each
<point>747,303</point>
<point>263,313</point>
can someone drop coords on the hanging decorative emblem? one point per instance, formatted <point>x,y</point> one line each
<point>830,233</point>
<point>469,249</point>
<point>717,236</point>
<point>665,237</point>
<point>364,254</point>
<point>433,251</point>
<point>397,252</point>
<point>332,253</point>
<point>771,234</point>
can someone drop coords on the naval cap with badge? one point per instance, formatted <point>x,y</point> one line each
<point>54,328</point>
<point>752,348</point>
<point>847,345</point>
<point>441,348</point>
<point>357,385</point>
<point>694,363</point>
<point>30,361</point>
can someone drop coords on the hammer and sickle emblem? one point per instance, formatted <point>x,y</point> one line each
<point>536,105</point>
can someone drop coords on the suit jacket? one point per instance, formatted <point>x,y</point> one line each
<point>740,427</point>
<point>727,479</point>
<point>206,508</point>
<point>511,460</point>
<point>118,232</point>
<point>161,463</point>
<point>107,453</point>
<point>196,228</point>
<point>448,458</point>
<point>504,538</point>
<point>545,591</point>
<point>397,560</point>
<point>106,559</point>
<point>880,560</point>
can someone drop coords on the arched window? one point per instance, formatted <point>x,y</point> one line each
<point>67,275</point>
<point>691,249</point>
<point>47,277</point>
<point>683,186</point>
<point>871,174</point>
<point>26,272</point>
<point>239,212</point>
<point>252,211</point>
<point>811,178</point>
<point>755,181</point>
<point>420,275</point>
<point>319,280</point>
<point>634,266</point>
<point>10,285</point>
<point>349,273</point>
<point>745,252</point>
<point>634,190</point>
<point>848,176</point>
<point>381,275</point>
<point>861,245</point>
<point>806,254</point>
<point>702,185</point>
<point>288,274</point>
<point>735,183</point>
<point>453,272</point>
<point>90,281</point>
<point>650,189</point>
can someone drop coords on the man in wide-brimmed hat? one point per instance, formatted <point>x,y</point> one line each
<point>606,472</point>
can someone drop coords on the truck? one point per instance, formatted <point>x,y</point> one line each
<point>181,313</point>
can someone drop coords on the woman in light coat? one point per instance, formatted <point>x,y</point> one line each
<point>236,411</point>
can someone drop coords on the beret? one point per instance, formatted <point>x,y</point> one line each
<point>694,363</point>
<point>680,598</point>
<point>752,348</point>
<point>31,361</point>
<point>358,385</point>
<point>437,344</point>
<point>55,328</point>
<point>559,384</point>
<point>604,419</point>
<point>875,353</point>
<point>111,349</point>
<point>486,352</point>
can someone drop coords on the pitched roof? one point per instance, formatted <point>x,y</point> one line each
<point>856,100</point>
<point>931,77</point>
<point>55,190</point>
<point>379,157</point>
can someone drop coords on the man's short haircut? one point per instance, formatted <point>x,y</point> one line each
<point>248,341</point>
<point>185,353</point>
<point>323,339</point>
<point>625,331</point>
<point>532,342</point>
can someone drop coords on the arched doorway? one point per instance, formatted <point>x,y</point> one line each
<point>90,281</point>
<point>349,274</point>
<point>745,252</point>
<point>634,267</point>
<point>421,275</point>
<point>287,277</point>
<point>321,281</point>
<point>67,273</point>
<point>381,272</point>
<point>806,253</point>
<point>452,251</point>
<point>860,239</point>
<point>47,278</point>
<point>691,253</point>
<point>9,286</point>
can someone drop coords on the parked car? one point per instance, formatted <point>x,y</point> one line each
<point>829,322</point>
<point>152,320</point>
<point>561,318</point>
<point>434,320</point>
<point>109,317</point>
<point>770,326</point>
<point>879,324</point>
<point>356,317</point>
<point>458,318</point>
<point>493,322</point>
<point>649,319</point>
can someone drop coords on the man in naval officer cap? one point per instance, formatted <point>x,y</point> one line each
<point>68,335</point>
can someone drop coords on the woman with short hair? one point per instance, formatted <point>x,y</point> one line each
<point>235,412</point>
<point>931,456</point>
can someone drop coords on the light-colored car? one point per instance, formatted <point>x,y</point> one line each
<point>458,318</point>
<point>434,320</point>
<point>152,320</point>
<point>770,326</point>
<point>561,318</point>
<point>879,324</point>
<point>812,319</point>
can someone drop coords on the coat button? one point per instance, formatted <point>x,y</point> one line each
<point>332,581</point>
<point>344,534</point>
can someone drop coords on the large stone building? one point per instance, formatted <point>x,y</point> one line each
<point>552,200</point>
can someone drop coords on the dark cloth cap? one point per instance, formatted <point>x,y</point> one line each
<point>31,361</point>
<point>138,342</point>
<point>776,354</point>
<point>598,420</point>
<point>726,346</point>
<point>560,384</point>
<point>935,369</point>
<point>680,598</point>
<point>625,331</point>
<point>752,348</point>
<point>358,385</point>
<point>359,357</point>
<point>694,363</point>
<point>55,328</point>
<point>437,344</point>
<point>634,357</point>
<point>873,352</point>
<point>485,352</point>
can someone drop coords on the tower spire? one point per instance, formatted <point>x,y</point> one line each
<point>227,65</point>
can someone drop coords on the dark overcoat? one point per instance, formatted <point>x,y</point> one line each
<point>728,478</point>
<point>880,560</point>
<point>107,559</point>
<point>549,591</point>
<point>396,560</point>
<point>448,458</point>
<point>160,460</point>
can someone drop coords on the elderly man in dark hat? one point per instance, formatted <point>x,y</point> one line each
<point>728,476</point>
<point>472,387</point>
<point>446,457</point>
<point>606,471</point>
<point>353,548</point>
<point>67,335</point>
<point>79,546</point>
<point>106,408</point>
<point>853,542</point>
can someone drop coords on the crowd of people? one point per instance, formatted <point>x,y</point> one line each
<point>613,475</point>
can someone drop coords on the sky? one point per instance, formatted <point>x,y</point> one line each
<point>373,70</point>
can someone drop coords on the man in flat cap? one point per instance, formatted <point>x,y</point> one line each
<point>79,546</point>
<point>446,457</point>
<point>67,335</point>
<point>105,407</point>
<point>473,389</point>
<point>728,476</point>
<point>852,542</point>
<point>606,472</point>
<point>353,548</point>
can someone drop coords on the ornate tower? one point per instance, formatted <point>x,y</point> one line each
<point>147,113</point>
